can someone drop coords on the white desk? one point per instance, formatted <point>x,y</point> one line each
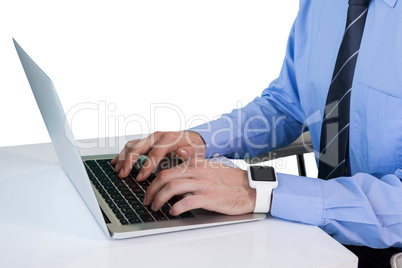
<point>44,223</point>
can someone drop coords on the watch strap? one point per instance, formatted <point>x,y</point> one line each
<point>263,198</point>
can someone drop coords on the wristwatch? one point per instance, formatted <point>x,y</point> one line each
<point>263,179</point>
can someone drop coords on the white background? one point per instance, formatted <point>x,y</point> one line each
<point>113,62</point>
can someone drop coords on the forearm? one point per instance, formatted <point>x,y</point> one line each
<point>358,210</point>
<point>251,131</point>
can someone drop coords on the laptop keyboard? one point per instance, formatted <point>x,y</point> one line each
<point>124,196</point>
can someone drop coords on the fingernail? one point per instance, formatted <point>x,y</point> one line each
<point>139,176</point>
<point>153,207</point>
<point>145,201</point>
<point>121,172</point>
<point>184,153</point>
<point>117,166</point>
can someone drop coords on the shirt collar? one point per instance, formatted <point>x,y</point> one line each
<point>391,3</point>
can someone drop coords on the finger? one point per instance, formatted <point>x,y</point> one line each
<point>155,156</point>
<point>188,152</point>
<point>166,143</point>
<point>188,203</point>
<point>163,178</point>
<point>114,160</point>
<point>121,158</point>
<point>185,152</point>
<point>173,188</point>
<point>131,152</point>
<point>115,163</point>
<point>124,168</point>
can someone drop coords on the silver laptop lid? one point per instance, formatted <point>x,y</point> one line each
<point>60,132</point>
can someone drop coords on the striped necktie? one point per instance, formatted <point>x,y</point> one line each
<point>334,143</point>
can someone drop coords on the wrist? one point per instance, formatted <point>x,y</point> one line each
<point>263,180</point>
<point>196,140</point>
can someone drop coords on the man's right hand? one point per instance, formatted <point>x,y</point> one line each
<point>185,145</point>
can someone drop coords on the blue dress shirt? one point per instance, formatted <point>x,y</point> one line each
<point>365,209</point>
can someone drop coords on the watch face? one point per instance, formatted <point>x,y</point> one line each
<point>262,173</point>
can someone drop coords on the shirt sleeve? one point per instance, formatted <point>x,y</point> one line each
<point>357,210</point>
<point>270,121</point>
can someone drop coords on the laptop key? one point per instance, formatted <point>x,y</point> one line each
<point>116,196</point>
<point>134,172</point>
<point>104,183</point>
<point>132,184</point>
<point>140,195</point>
<point>90,163</point>
<point>171,217</point>
<point>159,216</point>
<point>138,190</point>
<point>113,177</point>
<point>119,216</point>
<point>104,194</point>
<point>97,171</point>
<point>141,211</point>
<point>113,191</point>
<point>173,200</point>
<point>127,209</point>
<point>143,183</point>
<point>187,214</point>
<point>165,209</point>
<point>118,183</point>
<point>120,201</point>
<point>109,187</point>
<point>124,221</point>
<point>123,205</point>
<point>134,220</point>
<point>146,218</point>
<point>112,205</point>
<point>98,186</point>
<point>131,215</point>
<point>135,204</point>
<point>130,196</point>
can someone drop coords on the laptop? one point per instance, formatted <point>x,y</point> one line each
<point>115,203</point>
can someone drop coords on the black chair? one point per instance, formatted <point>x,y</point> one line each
<point>298,148</point>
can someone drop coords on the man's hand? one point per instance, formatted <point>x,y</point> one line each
<point>185,145</point>
<point>212,186</point>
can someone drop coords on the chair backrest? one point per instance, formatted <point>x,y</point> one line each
<point>299,147</point>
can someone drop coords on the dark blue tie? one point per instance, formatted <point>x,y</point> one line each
<point>334,143</point>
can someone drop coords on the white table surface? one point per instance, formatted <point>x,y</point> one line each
<point>45,223</point>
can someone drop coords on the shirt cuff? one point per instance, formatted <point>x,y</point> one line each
<point>298,199</point>
<point>218,136</point>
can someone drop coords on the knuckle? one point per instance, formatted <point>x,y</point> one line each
<point>175,210</point>
<point>153,154</point>
<point>171,186</point>
<point>133,155</point>
<point>188,202</point>
<point>157,200</point>
<point>163,175</point>
<point>169,138</point>
<point>155,136</point>
<point>169,135</point>
<point>131,144</point>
